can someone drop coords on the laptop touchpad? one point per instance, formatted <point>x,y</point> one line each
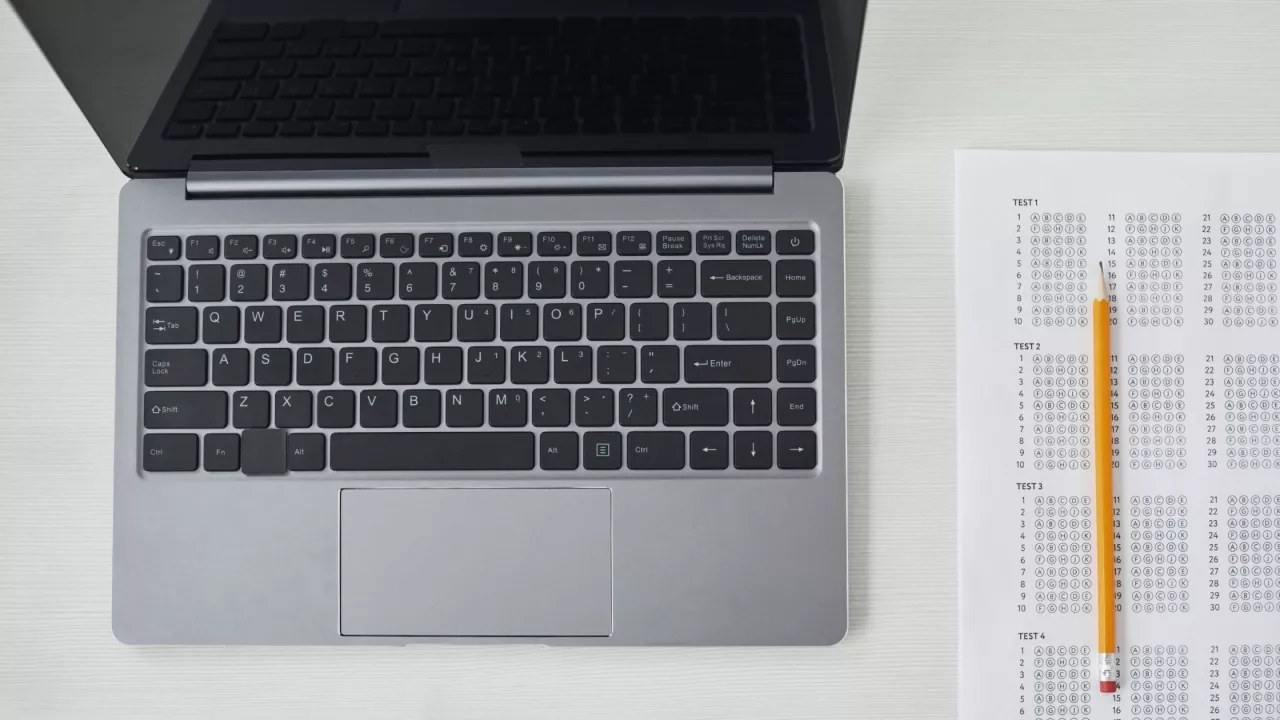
<point>476,562</point>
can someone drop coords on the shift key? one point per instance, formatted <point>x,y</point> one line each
<point>736,278</point>
<point>728,364</point>
<point>169,410</point>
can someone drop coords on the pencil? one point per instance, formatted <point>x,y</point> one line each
<point>1108,660</point>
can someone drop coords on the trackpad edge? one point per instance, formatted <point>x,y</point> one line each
<point>476,562</point>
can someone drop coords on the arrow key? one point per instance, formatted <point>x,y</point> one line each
<point>797,450</point>
<point>752,406</point>
<point>753,450</point>
<point>709,450</point>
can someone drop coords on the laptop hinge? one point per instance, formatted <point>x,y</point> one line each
<point>313,177</point>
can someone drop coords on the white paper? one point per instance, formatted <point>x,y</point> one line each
<point>1189,242</point>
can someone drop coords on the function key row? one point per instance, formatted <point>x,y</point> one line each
<point>480,244</point>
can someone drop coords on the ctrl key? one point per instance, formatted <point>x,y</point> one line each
<point>170,453</point>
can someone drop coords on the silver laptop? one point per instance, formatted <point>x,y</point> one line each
<point>485,322</point>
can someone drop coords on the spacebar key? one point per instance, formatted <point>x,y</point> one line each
<point>432,451</point>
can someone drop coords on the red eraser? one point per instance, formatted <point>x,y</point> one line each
<point>1107,686</point>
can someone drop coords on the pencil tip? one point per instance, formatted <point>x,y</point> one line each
<point>1100,284</point>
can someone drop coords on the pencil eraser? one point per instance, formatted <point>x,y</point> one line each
<point>1107,686</point>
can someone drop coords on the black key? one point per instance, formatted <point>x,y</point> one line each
<point>677,278</point>
<point>616,364</point>
<point>164,247</point>
<point>795,242</point>
<point>597,242</point>
<point>508,408</point>
<point>797,363</point>
<point>202,247</point>
<point>305,451</point>
<point>183,131</point>
<point>421,408</point>
<point>375,281</point>
<point>227,70</point>
<point>195,112</point>
<point>170,453</point>
<point>357,245</point>
<point>272,366</point>
<point>435,245</point>
<point>709,450</point>
<point>515,244</point>
<point>476,323</point>
<point>173,409</point>
<point>796,278</point>
<point>550,408</point>
<point>390,323</point>
<point>175,368</point>
<point>400,366</point>
<point>230,367</point>
<point>291,281</point>
<point>606,321</point>
<point>432,323</point>
<point>546,279</point>
<point>259,129</point>
<point>797,406</point>
<point>248,283</point>
<point>692,321</point>
<point>602,450</point>
<point>315,110</point>
<point>221,452</point>
<point>503,280</point>
<point>396,245</point>
<point>519,322</point>
<point>754,242</point>
<point>357,366</point>
<point>475,244</point>
<point>240,247</point>
<point>464,408</point>
<point>417,281</point>
<point>230,113</point>
<point>319,246</point>
<point>378,408</point>
<point>753,450</point>
<point>530,365</point>
<point>206,283</point>
<point>432,451</point>
<point>573,365</point>
<point>562,322</point>
<point>744,321</point>
<point>442,365</point>
<point>347,323</point>
<point>728,364</point>
<point>797,450</point>
<point>752,407</point>
<point>315,366</point>
<point>264,452</point>
<point>633,242</point>
<point>695,406</point>
<point>262,324</point>
<point>336,409</point>
<point>333,281</point>
<point>660,364</point>
<point>293,408</point>
<point>638,407</point>
<point>460,281</point>
<point>735,278</point>
<point>655,450</point>
<point>487,365</point>
<point>671,242</point>
<point>633,279</point>
<point>555,244</point>
<point>214,90</point>
<point>280,247</point>
<point>558,451</point>
<point>714,242</point>
<point>797,320</point>
<point>164,284</point>
<point>649,321</point>
<point>305,324</point>
<point>171,325</point>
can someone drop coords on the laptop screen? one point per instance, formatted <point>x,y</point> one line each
<point>164,81</point>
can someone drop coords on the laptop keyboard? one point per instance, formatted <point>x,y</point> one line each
<point>602,351</point>
<point>498,77</point>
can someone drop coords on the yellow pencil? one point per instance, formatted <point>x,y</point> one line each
<point>1108,657</point>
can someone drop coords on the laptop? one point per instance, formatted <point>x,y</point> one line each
<point>481,322</point>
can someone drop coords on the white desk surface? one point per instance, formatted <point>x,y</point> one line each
<point>935,76</point>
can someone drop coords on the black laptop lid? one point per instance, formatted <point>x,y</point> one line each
<point>165,82</point>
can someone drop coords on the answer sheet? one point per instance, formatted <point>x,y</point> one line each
<point>1188,244</point>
